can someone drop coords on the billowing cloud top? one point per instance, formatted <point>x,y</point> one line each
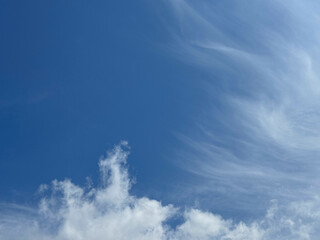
<point>110,212</point>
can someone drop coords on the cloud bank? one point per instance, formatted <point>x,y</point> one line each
<point>110,212</point>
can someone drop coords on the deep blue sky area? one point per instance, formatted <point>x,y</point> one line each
<point>77,77</point>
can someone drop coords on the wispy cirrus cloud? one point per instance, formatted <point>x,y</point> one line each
<point>72,212</point>
<point>263,137</point>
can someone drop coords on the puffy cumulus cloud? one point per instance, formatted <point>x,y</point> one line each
<point>71,212</point>
<point>205,225</point>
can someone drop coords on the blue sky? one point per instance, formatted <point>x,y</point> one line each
<point>171,119</point>
<point>77,78</point>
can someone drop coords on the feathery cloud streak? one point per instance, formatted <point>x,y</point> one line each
<point>263,137</point>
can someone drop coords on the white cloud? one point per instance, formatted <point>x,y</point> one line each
<point>109,212</point>
<point>259,134</point>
